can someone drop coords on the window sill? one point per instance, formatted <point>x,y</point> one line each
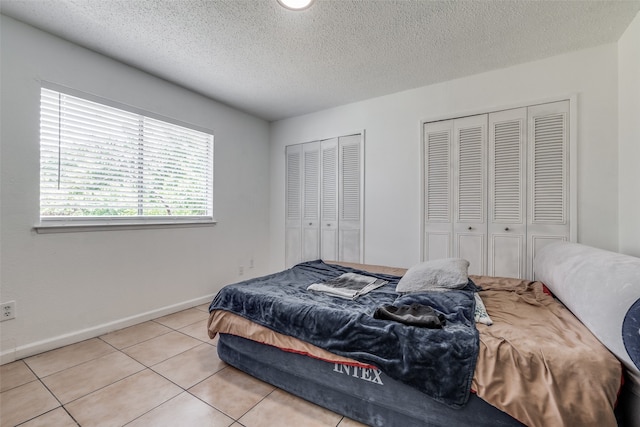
<point>73,226</point>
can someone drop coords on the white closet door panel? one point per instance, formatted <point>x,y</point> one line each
<point>438,244</point>
<point>506,255</point>
<point>470,192</point>
<point>311,181</point>
<point>311,201</point>
<point>350,182</point>
<point>507,177</point>
<point>350,190</point>
<point>548,154</point>
<point>349,245</point>
<point>548,190</point>
<point>473,247</point>
<point>293,246</point>
<point>470,169</point>
<point>329,244</point>
<point>537,241</point>
<point>437,175</point>
<point>310,243</point>
<point>329,177</point>
<point>437,190</point>
<point>329,199</point>
<point>293,182</point>
<point>293,202</point>
<point>507,139</point>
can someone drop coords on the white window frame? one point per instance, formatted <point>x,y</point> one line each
<point>52,224</point>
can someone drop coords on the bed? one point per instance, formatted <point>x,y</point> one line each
<point>536,365</point>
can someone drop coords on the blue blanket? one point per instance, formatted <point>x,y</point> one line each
<point>438,362</point>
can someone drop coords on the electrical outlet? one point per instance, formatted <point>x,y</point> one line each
<point>251,262</point>
<point>240,270</point>
<point>8,311</point>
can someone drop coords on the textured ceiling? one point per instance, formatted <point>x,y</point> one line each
<point>274,63</point>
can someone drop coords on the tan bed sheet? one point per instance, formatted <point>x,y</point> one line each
<point>537,362</point>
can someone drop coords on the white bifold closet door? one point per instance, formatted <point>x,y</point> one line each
<point>350,188</point>
<point>329,212</point>
<point>496,187</point>
<point>311,201</point>
<point>324,200</point>
<point>455,170</point>
<point>548,177</point>
<point>470,190</point>
<point>293,196</point>
<point>507,177</point>
<point>438,190</point>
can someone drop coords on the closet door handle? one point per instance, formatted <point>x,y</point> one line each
<point>310,223</point>
<point>470,228</point>
<point>506,229</point>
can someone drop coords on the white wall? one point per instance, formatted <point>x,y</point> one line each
<point>71,286</point>
<point>629,138</point>
<point>392,146</point>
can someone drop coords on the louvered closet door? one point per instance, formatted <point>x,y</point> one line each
<point>311,201</point>
<point>438,203</point>
<point>507,177</point>
<point>470,195</point>
<point>293,195</point>
<point>548,191</point>
<point>329,199</point>
<point>350,198</point>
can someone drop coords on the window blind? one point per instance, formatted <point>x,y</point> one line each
<point>100,162</point>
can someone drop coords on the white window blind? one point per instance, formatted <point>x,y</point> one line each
<point>103,164</point>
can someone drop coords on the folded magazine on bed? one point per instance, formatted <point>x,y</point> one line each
<point>348,285</point>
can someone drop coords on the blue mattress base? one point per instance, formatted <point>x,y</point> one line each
<point>367,396</point>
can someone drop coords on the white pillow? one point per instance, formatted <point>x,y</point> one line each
<point>437,275</point>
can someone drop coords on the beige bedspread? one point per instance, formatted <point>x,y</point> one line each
<point>537,362</point>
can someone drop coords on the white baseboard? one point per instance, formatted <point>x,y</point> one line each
<point>37,347</point>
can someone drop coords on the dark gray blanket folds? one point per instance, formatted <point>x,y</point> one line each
<point>414,314</point>
<point>438,362</point>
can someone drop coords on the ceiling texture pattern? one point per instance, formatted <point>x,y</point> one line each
<point>275,63</point>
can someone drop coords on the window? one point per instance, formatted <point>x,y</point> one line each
<point>101,165</point>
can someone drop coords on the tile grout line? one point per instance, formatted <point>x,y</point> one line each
<point>235,420</point>
<point>43,385</point>
<point>20,385</point>
<point>157,406</point>
<point>148,339</point>
<point>192,323</point>
<point>116,350</point>
<point>121,351</point>
<point>150,368</point>
<point>260,401</point>
<point>55,397</point>
<point>48,412</point>
<point>108,385</point>
<point>183,390</point>
<point>59,348</point>
<point>144,368</point>
<point>154,321</point>
<point>63,405</point>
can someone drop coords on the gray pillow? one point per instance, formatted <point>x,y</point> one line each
<point>437,275</point>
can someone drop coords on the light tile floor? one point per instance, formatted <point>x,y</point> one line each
<point>165,372</point>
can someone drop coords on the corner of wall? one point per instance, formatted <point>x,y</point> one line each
<point>629,139</point>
